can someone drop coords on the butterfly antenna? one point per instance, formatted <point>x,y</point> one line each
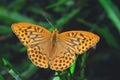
<point>48,21</point>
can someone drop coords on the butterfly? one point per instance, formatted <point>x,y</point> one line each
<point>53,50</point>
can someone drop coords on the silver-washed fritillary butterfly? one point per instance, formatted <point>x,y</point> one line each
<point>57,51</point>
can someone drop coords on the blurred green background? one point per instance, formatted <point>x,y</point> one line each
<point>98,16</point>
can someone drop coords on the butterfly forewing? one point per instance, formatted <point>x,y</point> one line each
<point>78,41</point>
<point>30,34</point>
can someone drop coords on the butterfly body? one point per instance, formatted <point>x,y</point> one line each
<point>54,50</point>
<point>54,38</point>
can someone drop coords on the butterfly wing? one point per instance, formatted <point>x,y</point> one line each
<point>38,56</point>
<point>30,34</point>
<point>62,58</point>
<point>78,41</point>
<point>37,39</point>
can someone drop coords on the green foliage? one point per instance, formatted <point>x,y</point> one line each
<point>101,18</point>
<point>1,77</point>
<point>5,30</point>
<point>10,17</point>
<point>11,70</point>
<point>65,18</point>
<point>112,11</point>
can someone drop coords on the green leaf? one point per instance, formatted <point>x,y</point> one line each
<point>14,75</point>
<point>65,18</point>
<point>30,71</point>
<point>5,30</point>
<point>11,70</point>
<point>56,4</point>
<point>56,77</point>
<point>10,17</point>
<point>83,65</point>
<point>72,68</point>
<point>17,4</point>
<point>112,11</point>
<point>1,77</point>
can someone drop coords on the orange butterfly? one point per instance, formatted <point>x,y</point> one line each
<point>57,51</point>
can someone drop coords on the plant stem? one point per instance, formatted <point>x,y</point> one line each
<point>82,73</point>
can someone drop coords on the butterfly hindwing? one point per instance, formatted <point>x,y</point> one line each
<point>62,57</point>
<point>63,62</point>
<point>38,56</point>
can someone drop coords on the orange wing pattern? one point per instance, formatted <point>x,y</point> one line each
<point>37,39</point>
<point>58,54</point>
<point>79,41</point>
<point>61,57</point>
<point>30,34</point>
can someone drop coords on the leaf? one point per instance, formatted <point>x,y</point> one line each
<point>64,19</point>
<point>5,30</point>
<point>1,77</point>
<point>10,17</point>
<point>11,70</point>
<point>112,11</point>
